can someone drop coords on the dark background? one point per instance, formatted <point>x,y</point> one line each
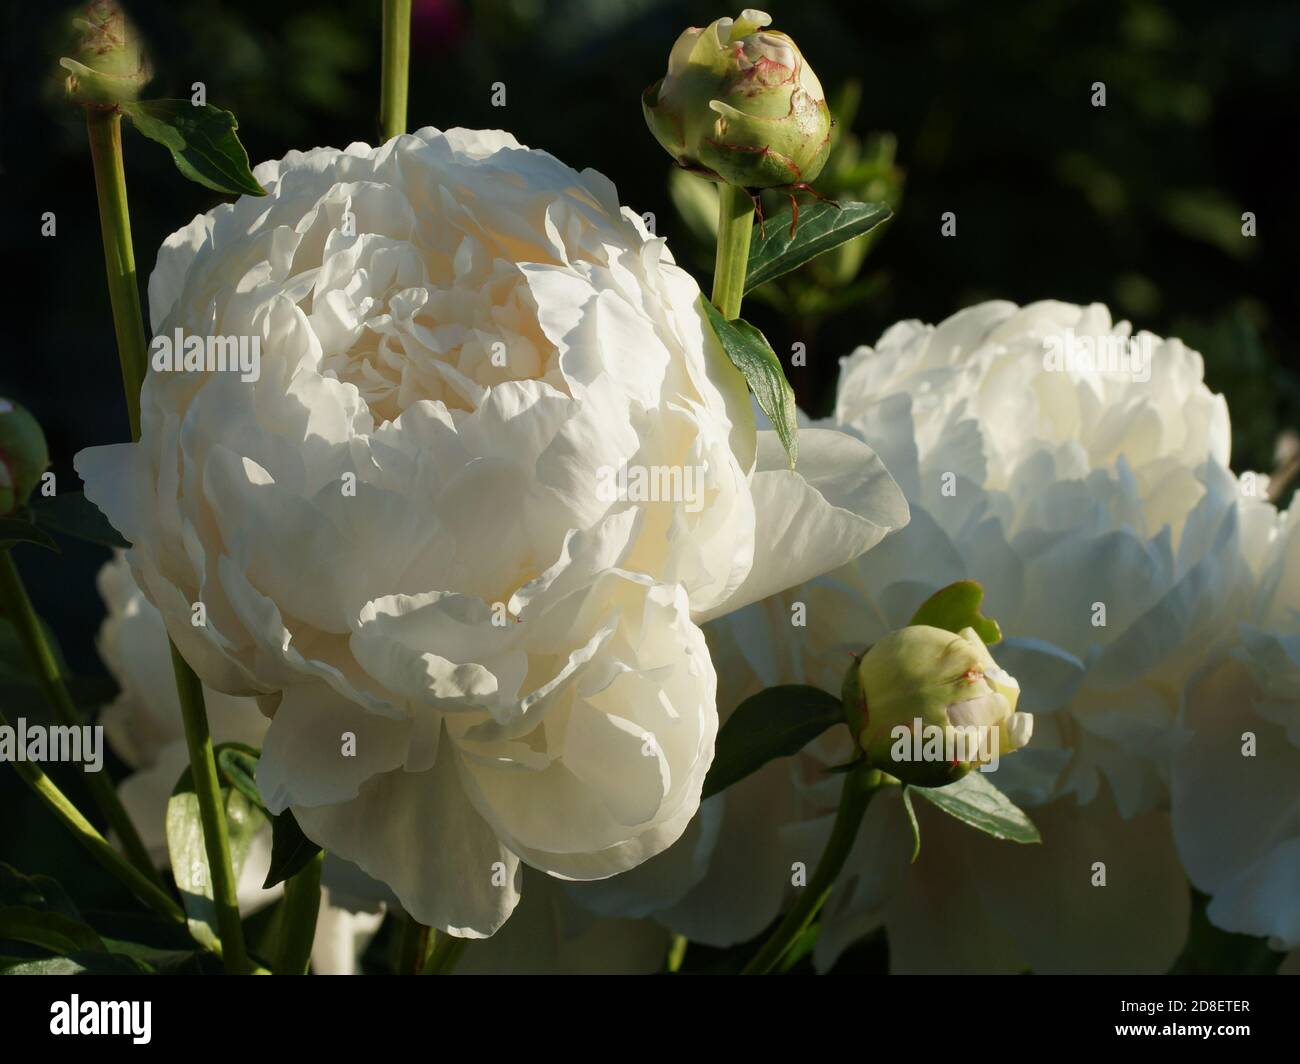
<point>1136,204</point>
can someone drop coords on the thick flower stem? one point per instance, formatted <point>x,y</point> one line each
<point>18,608</point>
<point>105,130</point>
<point>57,802</point>
<point>216,840</point>
<point>735,229</point>
<point>445,954</point>
<point>104,127</point>
<point>395,71</point>
<point>860,783</point>
<point>412,947</point>
<point>298,919</point>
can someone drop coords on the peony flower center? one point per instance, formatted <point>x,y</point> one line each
<point>404,323</point>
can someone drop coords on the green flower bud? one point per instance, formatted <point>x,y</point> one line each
<point>108,64</point>
<point>23,456</point>
<point>931,705</point>
<point>740,105</point>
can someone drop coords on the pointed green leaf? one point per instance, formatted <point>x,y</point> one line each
<point>35,892</point>
<point>202,141</point>
<point>955,607</point>
<point>70,513</point>
<point>974,800</point>
<point>778,722</point>
<point>48,930</point>
<point>15,530</point>
<point>750,353</point>
<point>291,850</point>
<point>78,963</point>
<point>821,227</point>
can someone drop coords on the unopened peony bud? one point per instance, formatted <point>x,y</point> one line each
<point>928,706</point>
<point>23,456</point>
<point>740,105</point>
<point>108,64</point>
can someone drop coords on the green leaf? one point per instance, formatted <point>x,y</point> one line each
<point>290,849</point>
<point>202,142</point>
<point>237,764</point>
<point>777,722</point>
<point>70,513</point>
<point>911,819</point>
<point>189,858</point>
<point>35,892</point>
<point>822,226</point>
<point>75,964</point>
<point>15,530</point>
<point>974,800</point>
<point>800,948</point>
<point>955,607</point>
<point>49,930</point>
<point>164,946</point>
<point>750,353</point>
<point>165,961</point>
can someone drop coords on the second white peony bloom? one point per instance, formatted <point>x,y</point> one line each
<point>399,533</point>
<point>1116,550</point>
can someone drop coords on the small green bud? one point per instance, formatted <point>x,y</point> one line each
<point>931,705</point>
<point>23,456</point>
<point>740,105</point>
<point>108,64</point>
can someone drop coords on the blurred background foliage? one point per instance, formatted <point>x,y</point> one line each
<point>979,108</point>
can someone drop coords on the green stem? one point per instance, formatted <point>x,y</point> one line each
<point>105,130</point>
<point>677,952</point>
<point>298,919</point>
<point>860,783</point>
<point>54,799</point>
<point>412,947</point>
<point>446,953</point>
<point>18,608</point>
<point>735,229</point>
<point>395,71</point>
<point>216,840</point>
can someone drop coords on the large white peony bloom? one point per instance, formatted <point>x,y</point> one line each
<point>144,726</point>
<point>403,535</point>
<point>1115,549</point>
<point>1236,783</point>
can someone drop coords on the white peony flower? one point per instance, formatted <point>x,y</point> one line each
<point>476,645</point>
<point>1236,783</point>
<point>1115,549</point>
<point>144,726</point>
